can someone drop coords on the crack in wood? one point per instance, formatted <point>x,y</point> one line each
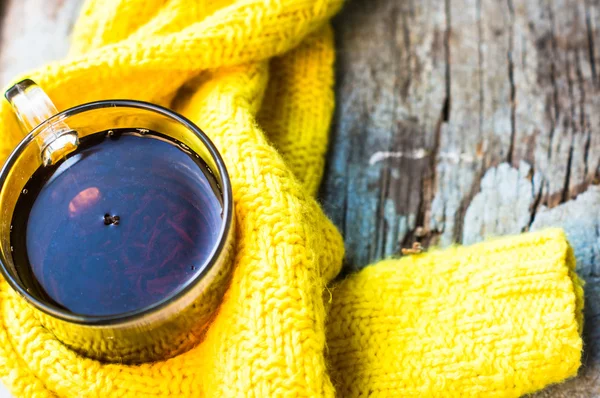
<point>422,232</point>
<point>433,230</point>
<point>447,101</point>
<point>480,67</point>
<point>537,200</point>
<point>590,37</point>
<point>553,77</point>
<point>584,125</point>
<point>511,79</point>
<point>569,125</point>
<point>566,190</point>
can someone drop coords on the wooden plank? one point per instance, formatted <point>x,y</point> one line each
<point>515,84</point>
<point>391,104</point>
<point>463,119</point>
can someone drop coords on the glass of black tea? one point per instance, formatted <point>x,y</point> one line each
<point>117,225</point>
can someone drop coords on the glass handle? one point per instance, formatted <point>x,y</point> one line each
<point>33,107</point>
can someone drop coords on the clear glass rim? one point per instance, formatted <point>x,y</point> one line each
<point>226,226</point>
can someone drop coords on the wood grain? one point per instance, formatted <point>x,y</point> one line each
<point>459,120</point>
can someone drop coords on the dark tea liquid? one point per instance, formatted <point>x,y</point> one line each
<point>120,224</point>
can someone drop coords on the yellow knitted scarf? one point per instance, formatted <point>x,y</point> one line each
<point>501,318</point>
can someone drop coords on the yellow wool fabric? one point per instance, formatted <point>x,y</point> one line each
<point>498,319</point>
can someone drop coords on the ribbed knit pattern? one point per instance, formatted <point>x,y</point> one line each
<point>499,319</point>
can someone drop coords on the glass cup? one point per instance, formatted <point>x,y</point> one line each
<point>163,329</point>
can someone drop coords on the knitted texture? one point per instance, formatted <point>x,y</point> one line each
<point>257,77</point>
<point>498,319</point>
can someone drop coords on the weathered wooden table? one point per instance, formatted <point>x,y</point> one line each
<point>456,120</point>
